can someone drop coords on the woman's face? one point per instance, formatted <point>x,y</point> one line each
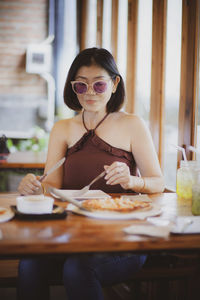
<point>91,100</point>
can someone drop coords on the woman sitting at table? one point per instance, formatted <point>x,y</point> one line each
<point>99,137</point>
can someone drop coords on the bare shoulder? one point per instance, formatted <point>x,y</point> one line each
<point>130,119</point>
<point>133,126</point>
<point>65,125</point>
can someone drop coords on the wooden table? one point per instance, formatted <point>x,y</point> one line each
<point>81,234</point>
<point>24,160</point>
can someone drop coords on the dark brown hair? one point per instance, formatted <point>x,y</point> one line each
<point>104,59</point>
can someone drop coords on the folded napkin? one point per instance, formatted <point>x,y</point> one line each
<point>186,225</point>
<point>160,228</point>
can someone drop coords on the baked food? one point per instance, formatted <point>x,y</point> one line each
<point>3,211</point>
<point>116,204</point>
<point>35,204</point>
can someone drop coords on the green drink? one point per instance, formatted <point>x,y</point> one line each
<point>196,196</point>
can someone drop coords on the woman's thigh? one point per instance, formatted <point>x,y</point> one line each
<point>108,268</point>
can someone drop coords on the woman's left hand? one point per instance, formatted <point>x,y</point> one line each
<point>118,173</point>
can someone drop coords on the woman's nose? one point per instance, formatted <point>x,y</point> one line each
<point>90,90</point>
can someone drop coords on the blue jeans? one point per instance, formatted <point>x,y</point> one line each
<point>84,275</point>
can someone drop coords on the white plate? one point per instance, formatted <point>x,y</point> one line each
<point>6,214</point>
<point>106,215</point>
<point>88,195</point>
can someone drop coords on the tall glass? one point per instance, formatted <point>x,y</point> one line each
<point>196,195</point>
<point>186,177</point>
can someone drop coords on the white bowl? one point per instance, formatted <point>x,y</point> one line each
<point>35,204</point>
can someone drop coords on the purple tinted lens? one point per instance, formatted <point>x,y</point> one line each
<point>80,87</point>
<point>100,87</point>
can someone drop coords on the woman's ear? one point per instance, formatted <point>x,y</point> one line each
<point>115,83</point>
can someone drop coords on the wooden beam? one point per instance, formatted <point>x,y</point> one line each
<point>188,75</point>
<point>114,29</point>
<point>88,24</point>
<point>158,74</point>
<point>131,54</point>
<point>99,22</point>
<point>84,18</point>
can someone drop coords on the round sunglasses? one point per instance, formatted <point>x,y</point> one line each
<point>99,86</point>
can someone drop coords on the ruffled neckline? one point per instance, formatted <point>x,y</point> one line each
<point>101,144</point>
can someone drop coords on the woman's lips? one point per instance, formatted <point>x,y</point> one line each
<point>90,101</point>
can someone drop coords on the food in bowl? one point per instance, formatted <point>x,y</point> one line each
<point>35,204</point>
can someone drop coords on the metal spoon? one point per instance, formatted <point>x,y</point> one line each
<point>63,197</point>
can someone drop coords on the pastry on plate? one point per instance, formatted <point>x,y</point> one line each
<point>116,204</point>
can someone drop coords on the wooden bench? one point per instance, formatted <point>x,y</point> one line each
<point>163,277</point>
<point>8,272</point>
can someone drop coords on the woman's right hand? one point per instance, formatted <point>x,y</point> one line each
<point>30,185</point>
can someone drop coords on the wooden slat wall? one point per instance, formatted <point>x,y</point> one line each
<point>131,54</point>
<point>158,74</point>
<point>188,74</point>
<point>190,36</point>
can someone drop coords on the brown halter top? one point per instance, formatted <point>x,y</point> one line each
<point>86,159</point>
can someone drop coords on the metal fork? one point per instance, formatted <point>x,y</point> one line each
<point>87,187</point>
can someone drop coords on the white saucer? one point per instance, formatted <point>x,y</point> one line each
<point>6,214</point>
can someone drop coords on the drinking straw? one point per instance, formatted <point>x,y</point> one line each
<point>193,149</point>
<point>183,152</point>
<point>185,159</point>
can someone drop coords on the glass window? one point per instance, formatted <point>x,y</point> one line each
<point>172,90</point>
<point>92,23</point>
<point>122,37</point>
<point>65,50</point>
<point>143,71</point>
<point>107,18</point>
<point>197,115</point>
